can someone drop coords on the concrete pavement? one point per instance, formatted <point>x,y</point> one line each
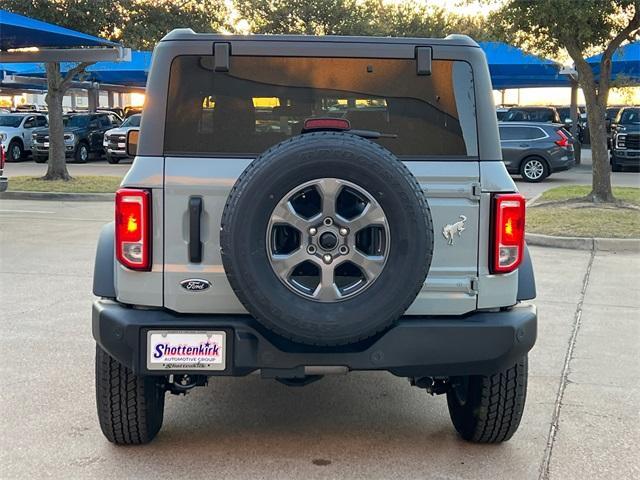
<point>581,418</point>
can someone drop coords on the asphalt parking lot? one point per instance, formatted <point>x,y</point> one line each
<point>581,418</point>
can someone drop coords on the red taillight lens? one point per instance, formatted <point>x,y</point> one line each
<point>508,232</point>
<point>326,124</point>
<point>2,157</point>
<point>133,228</point>
<point>563,141</point>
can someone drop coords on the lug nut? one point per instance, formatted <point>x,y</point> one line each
<point>343,231</point>
<point>328,221</point>
<point>311,249</point>
<point>313,231</point>
<point>327,258</point>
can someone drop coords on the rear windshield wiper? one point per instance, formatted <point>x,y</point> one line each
<point>371,134</point>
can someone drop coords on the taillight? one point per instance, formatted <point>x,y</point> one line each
<point>508,232</point>
<point>2,157</point>
<point>563,141</point>
<point>133,228</point>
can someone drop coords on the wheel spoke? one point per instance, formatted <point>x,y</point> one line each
<point>372,215</point>
<point>371,265</point>
<point>326,290</point>
<point>329,189</point>
<point>283,265</point>
<point>285,214</point>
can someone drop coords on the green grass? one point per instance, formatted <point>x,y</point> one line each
<point>625,194</point>
<point>559,212</point>
<point>83,184</point>
<point>566,221</point>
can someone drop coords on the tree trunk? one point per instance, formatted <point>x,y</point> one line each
<point>596,102</point>
<point>57,167</point>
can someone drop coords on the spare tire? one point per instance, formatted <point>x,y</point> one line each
<point>326,238</point>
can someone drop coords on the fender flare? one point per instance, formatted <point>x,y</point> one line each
<point>104,267</point>
<point>526,278</point>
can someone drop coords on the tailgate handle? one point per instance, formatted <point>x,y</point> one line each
<point>195,245</point>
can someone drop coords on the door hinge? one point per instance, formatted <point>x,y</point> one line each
<point>476,190</point>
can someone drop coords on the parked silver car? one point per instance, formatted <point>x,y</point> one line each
<point>536,150</point>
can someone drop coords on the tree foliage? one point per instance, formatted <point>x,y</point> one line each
<point>138,24</point>
<point>580,28</point>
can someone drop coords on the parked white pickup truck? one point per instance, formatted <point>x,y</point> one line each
<point>15,133</point>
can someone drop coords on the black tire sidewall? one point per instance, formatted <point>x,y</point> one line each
<point>78,156</point>
<point>545,174</point>
<point>245,253</point>
<point>11,146</point>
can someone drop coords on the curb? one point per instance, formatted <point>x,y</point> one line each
<point>59,196</point>
<point>584,243</point>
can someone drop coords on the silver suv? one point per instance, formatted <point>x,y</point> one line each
<point>305,206</point>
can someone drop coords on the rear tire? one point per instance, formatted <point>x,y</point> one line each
<point>40,158</point>
<point>488,409</point>
<point>15,151</point>
<point>534,169</point>
<point>130,407</point>
<point>112,160</point>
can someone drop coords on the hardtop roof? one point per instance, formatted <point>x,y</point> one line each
<point>186,34</point>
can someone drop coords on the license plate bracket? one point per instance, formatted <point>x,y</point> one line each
<point>186,350</point>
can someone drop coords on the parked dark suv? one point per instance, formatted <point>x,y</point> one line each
<point>535,150</point>
<point>625,136</point>
<point>83,134</point>
<point>532,114</point>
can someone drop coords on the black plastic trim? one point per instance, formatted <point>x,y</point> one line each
<point>195,242</point>
<point>104,266</point>
<point>481,343</point>
<point>526,278</point>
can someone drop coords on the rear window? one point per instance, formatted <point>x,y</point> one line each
<point>516,115</point>
<point>261,101</point>
<point>520,133</point>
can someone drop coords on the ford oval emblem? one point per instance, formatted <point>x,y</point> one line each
<point>195,284</point>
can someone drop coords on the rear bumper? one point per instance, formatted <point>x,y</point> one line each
<point>563,163</point>
<point>479,343</point>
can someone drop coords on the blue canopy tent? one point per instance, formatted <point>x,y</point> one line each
<point>18,31</point>
<point>625,64</point>
<point>131,73</point>
<point>510,67</point>
<point>10,71</point>
<point>54,43</point>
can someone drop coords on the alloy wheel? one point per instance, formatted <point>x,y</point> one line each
<point>328,240</point>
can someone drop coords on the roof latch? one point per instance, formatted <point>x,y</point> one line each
<point>221,53</point>
<point>423,60</point>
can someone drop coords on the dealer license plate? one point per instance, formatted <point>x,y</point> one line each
<point>186,350</point>
<point>122,145</point>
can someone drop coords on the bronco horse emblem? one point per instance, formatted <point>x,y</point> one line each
<point>450,230</point>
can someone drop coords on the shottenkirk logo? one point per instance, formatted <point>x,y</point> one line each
<point>205,349</point>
